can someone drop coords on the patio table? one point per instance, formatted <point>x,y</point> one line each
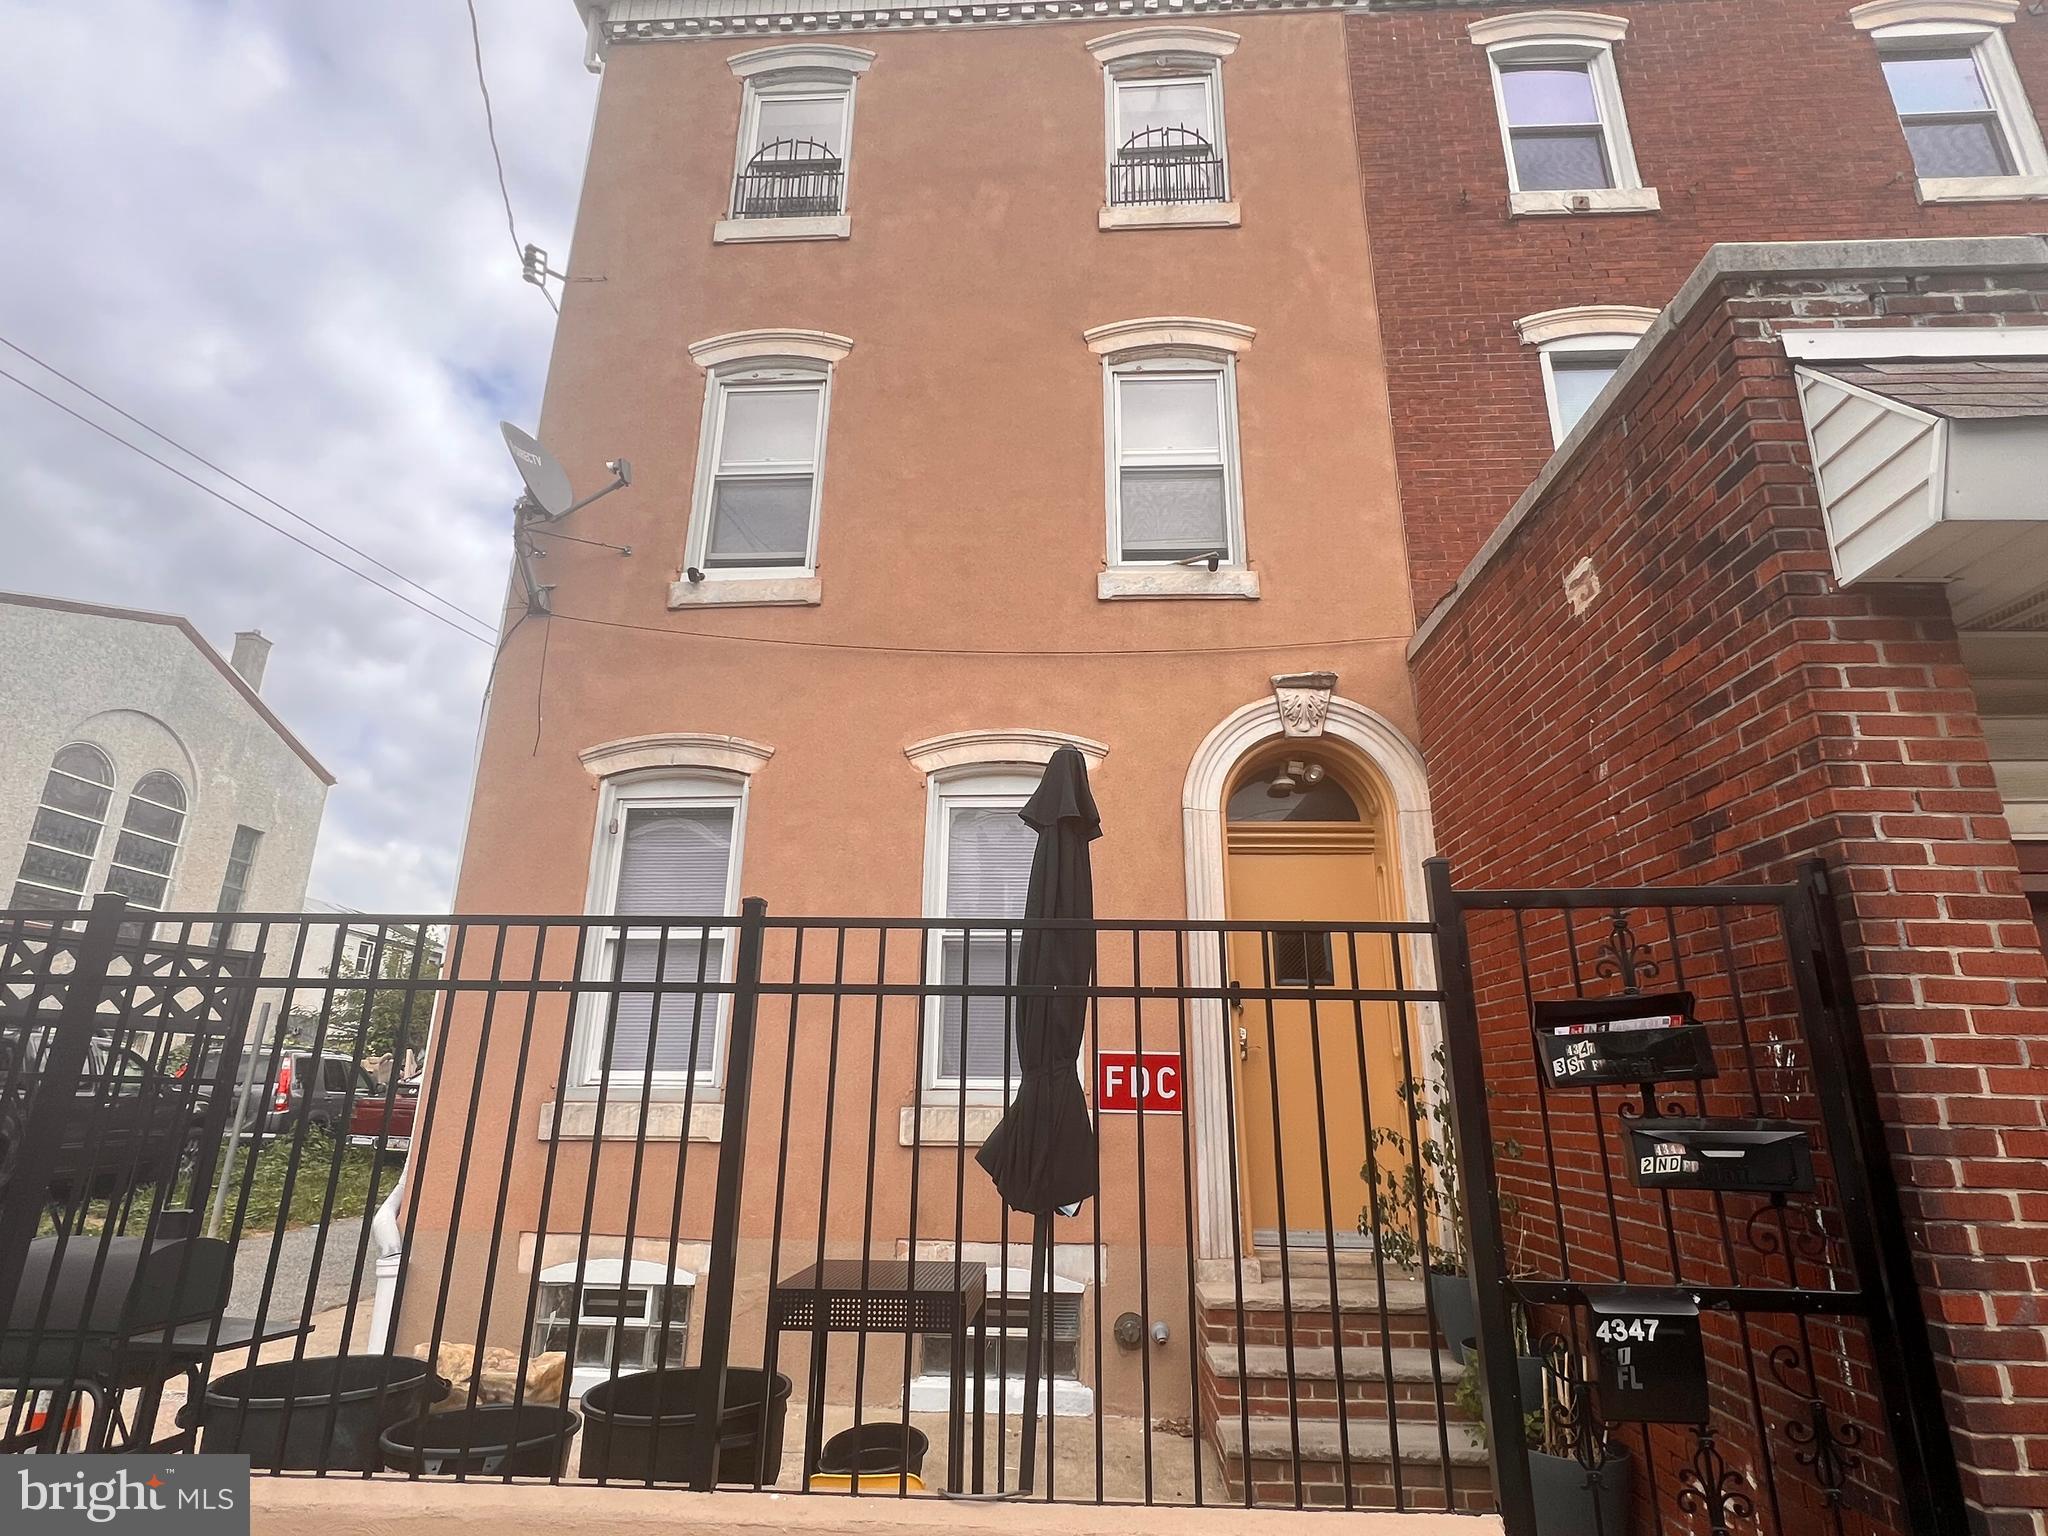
<point>889,1296</point>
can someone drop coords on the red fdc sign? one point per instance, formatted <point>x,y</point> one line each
<point>1126,1082</point>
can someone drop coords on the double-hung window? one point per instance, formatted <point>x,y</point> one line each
<point>796,132</point>
<point>1174,486</point>
<point>666,863</point>
<point>1959,98</point>
<point>1581,349</point>
<point>1562,125</point>
<point>978,865</point>
<point>1163,115</point>
<point>759,510</point>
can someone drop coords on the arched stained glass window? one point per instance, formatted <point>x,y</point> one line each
<point>65,835</point>
<point>148,845</point>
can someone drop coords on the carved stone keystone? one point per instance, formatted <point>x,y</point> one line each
<point>1304,700</point>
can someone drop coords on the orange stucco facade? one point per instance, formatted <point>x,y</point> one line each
<point>962,511</point>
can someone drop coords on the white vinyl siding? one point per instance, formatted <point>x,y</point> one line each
<point>668,856</point>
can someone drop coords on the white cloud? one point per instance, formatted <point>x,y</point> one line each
<point>274,232</point>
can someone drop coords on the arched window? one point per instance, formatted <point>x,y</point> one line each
<point>147,848</point>
<point>796,131</point>
<point>57,864</point>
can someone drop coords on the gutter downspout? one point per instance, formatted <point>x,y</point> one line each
<point>389,1240</point>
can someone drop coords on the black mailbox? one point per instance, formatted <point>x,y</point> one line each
<point>1652,1039</point>
<point>1649,1365</point>
<point>1761,1156</point>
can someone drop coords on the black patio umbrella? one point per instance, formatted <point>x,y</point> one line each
<point>1042,1156</point>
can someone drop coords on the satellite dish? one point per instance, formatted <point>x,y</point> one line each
<point>546,481</point>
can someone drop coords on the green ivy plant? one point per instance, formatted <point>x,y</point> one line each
<point>1419,1189</point>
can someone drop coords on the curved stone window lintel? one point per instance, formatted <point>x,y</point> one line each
<point>811,58</point>
<point>739,346</point>
<point>1169,333</point>
<point>1548,27</point>
<point>964,749</point>
<point>1584,320</point>
<point>676,749</point>
<point>1144,43</point>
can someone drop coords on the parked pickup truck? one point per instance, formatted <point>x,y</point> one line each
<point>391,1119</point>
<point>131,1123</point>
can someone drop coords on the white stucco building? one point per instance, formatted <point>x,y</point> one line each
<point>137,759</point>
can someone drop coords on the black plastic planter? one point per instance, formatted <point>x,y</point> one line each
<point>1457,1313</point>
<point>530,1440</point>
<point>624,1438</point>
<point>875,1448</point>
<point>1568,1505</point>
<point>277,1415</point>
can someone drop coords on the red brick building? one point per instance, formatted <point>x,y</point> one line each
<point>1743,120</point>
<point>1675,657</point>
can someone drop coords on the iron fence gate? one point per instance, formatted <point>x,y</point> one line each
<point>1664,1104</point>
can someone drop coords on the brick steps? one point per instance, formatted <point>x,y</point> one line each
<point>1323,1474</point>
<point>1410,1391</point>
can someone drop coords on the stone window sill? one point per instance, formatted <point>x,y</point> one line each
<point>941,1124</point>
<point>749,231</point>
<point>578,1118</point>
<point>1593,200</point>
<point>1175,581</point>
<point>1170,216</point>
<point>745,592</point>
<point>1981,189</point>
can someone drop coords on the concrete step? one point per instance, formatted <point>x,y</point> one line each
<point>1371,1441</point>
<point>1357,1294</point>
<point>1319,1363</point>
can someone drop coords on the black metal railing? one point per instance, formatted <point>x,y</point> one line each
<point>743,1131</point>
<point>1167,165</point>
<point>790,179</point>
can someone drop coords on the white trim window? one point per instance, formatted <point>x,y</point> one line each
<point>792,158</point>
<point>1960,102</point>
<point>758,484</point>
<point>977,865</point>
<point>666,857</point>
<point>146,852</point>
<point>1174,485</point>
<point>1164,143</point>
<point>64,838</point>
<point>1579,350</point>
<point>1562,124</point>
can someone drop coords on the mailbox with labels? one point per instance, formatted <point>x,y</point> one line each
<point>1650,1367</point>
<point>1706,1152</point>
<point>1588,1041</point>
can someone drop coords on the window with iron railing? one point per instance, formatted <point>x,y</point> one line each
<point>1166,165</point>
<point>790,179</point>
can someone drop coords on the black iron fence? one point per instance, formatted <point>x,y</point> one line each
<point>553,1202</point>
<point>1167,165</point>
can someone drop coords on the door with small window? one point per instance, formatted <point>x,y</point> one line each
<point>1304,842</point>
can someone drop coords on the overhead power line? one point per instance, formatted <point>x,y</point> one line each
<point>958,650</point>
<point>200,458</point>
<point>226,500</point>
<point>476,45</point>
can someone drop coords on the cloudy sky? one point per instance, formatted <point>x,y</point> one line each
<point>273,232</point>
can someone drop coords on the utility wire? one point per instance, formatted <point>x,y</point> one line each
<point>953,650</point>
<point>332,559</point>
<point>201,458</point>
<point>476,44</point>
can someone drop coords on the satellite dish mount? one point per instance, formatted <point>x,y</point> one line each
<point>548,498</point>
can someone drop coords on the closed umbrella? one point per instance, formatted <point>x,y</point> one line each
<point>1042,1156</point>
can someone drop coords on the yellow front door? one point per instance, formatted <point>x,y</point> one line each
<point>1301,1116</point>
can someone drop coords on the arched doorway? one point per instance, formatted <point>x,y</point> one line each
<point>1307,839</point>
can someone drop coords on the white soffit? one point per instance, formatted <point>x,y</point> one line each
<point>1936,494</point>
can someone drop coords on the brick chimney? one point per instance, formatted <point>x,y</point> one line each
<point>252,653</point>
